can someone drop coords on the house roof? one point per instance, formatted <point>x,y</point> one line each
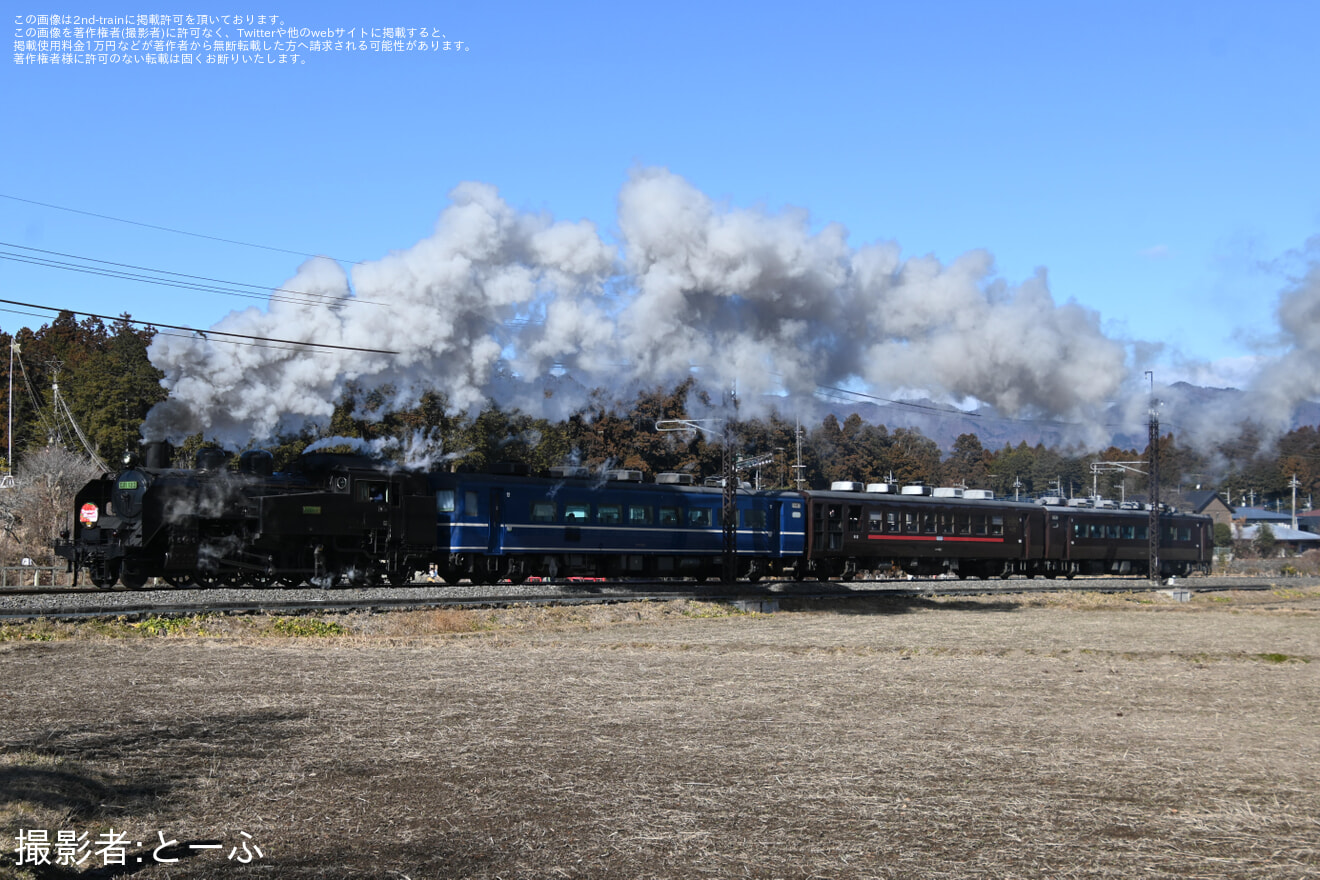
<point>1260,514</point>
<point>1201,499</point>
<point>1281,533</point>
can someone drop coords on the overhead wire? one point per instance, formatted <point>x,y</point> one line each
<point>204,334</point>
<point>945,411</point>
<point>171,229</point>
<point>297,348</point>
<point>178,279</point>
<point>32,396</point>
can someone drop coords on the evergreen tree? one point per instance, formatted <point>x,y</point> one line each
<point>967,463</point>
<point>113,387</point>
<point>1012,465</point>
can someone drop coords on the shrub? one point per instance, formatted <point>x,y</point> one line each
<point>1265,541</point>
<point>307,626</point>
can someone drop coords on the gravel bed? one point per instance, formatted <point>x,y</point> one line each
<point>137,600</point>
<point>129,600</point>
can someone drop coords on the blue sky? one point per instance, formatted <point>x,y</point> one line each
<point>1157,159</point>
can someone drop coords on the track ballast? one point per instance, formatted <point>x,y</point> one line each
<point>83,603</point>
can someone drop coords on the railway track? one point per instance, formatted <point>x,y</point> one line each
<point>82,603</point>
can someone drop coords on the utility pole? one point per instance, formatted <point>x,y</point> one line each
<point>755,463</point>
<point>7,482</point>
<point>1118,467</point>
<point>1294,484</point>
<point>730,520</point>
<point>729,508</point>
<point>730,517</point>
<point>1154,469</point>
<point>798,467</point>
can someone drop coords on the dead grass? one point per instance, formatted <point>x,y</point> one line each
<point>918,738</point>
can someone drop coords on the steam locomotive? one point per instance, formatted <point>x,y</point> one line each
<point>332,517</point>
<point>346,519</point>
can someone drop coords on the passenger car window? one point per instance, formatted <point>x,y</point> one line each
<point>444,501</point>
<point>639,516</point>
<point>754,519</point>
<point>543,511</point>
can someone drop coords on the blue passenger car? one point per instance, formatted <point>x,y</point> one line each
<point>492,526</point>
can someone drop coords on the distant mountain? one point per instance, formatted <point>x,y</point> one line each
<point>943,423</point>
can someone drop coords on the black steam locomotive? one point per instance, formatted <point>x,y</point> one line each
<point>337,518</point>
<point>333,517</point>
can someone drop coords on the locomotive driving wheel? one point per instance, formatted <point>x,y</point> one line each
<point>206,579</point>
<point>105,579</point>
<point>133,578</point>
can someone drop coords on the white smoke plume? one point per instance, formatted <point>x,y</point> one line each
<point>496,299</point>
<point>419,451</point>
<point>1281,376</point>
<point>443,305</point>
<point>1295,374</point>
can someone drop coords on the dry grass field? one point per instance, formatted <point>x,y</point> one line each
<point>1045,736</point>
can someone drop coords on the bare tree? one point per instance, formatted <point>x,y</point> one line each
<point>39,505</point>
